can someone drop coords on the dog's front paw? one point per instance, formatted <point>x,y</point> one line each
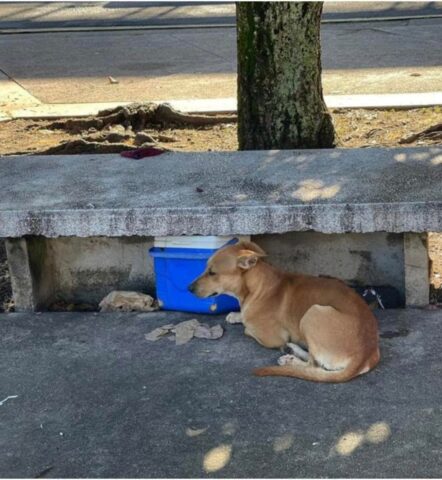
<point>234,317</point>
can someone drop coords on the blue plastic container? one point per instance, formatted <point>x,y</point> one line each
<point>175,270</point>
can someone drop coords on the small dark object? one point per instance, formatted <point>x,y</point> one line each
<point>383,296</point>
<point>139,153</point>
<point>44,472</point>
<point>376,297</point>
<point>199,190</point>
<point>288,350</point>
<point>402,332</point>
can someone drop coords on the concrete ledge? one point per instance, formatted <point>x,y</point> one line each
<point>385,100</point>
<point>58,110</point>
<point>225,105</point>
<point>329,191</point>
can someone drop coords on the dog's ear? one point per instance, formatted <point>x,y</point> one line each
<point>245,245</point>
<point>247,259</point>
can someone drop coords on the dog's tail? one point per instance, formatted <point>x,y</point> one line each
<point>315,374</point>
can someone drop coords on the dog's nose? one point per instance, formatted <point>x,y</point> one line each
<point>191,287</point>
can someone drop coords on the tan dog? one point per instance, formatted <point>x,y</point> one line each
<point>322,314</point>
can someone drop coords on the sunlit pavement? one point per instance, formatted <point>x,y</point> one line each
<point>392,57</point>
<point>90,397</point>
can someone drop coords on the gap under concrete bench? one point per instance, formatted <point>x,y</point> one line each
<point>78,226</point>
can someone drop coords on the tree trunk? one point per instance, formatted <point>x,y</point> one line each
<point>280,102</point>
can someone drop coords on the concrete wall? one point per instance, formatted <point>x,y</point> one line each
<point>362,259</point>
<point>84,270</point>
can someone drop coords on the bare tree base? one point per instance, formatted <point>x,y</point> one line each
<point>79,146</point>
<point>138,117</point>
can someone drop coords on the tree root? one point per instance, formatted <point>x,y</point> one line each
<point>73,147</point>
<point>139,117</point>
<point>432,133</point>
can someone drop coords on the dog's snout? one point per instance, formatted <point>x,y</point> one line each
<point>191,287</point>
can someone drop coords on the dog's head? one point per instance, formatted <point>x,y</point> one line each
<point>225,270</point>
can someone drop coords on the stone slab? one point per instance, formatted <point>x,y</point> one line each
<point>329,191</point>
<point>94,399</point>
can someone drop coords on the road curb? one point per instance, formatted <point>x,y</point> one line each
<point>226,105</point>
<point>385,100</point>
<point>195,26</point>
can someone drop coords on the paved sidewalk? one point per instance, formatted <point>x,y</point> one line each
<point>93,398</point>
<point>155,65</point>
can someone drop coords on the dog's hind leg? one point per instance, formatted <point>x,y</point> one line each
<point>298,351</point>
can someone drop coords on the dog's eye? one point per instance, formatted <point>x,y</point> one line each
<point>211,272</point>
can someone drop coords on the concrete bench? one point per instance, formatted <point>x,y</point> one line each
<point>79,226</point>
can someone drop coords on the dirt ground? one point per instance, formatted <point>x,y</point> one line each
<point>355,128</point>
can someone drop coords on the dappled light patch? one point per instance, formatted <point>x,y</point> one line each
<point>377,433</point>
<point>217,458</point>
<point>241,196</point>
<point>284,442</point>
<point>229,428</point>
<point>312,189</point>
<point>349,442</point>
<point>437,160</point>
<point>420,156</point>
<point>195,432</point>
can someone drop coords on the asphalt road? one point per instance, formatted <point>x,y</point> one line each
<point>43,15</point>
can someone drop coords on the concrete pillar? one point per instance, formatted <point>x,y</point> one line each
<point>21,274</point>
<point>31,271</point>
<point>417,269</point>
